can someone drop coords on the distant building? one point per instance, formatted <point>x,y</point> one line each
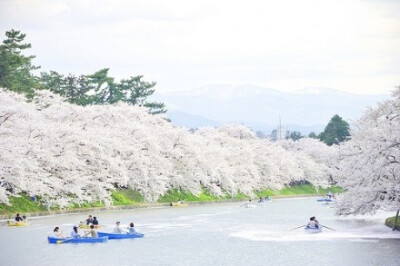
<point>261,135</point>
<point>274,135</point>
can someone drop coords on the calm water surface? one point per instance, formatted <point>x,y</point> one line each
<point>215,234</point>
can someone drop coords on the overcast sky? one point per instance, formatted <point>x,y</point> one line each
<point>350,45</point>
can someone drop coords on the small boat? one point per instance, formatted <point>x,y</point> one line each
<point>264,201</point>
<point>179,204</point>
<point>58,240</point>
<point>249,205</point>
<point>313,230</point>
<point>120,236</point>
<point>14,223</point>
<point>325,200</point>
<point>86,226</point>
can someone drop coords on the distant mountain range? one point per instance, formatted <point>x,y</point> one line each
<point>307,110</point>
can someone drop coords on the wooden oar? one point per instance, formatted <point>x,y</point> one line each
<point>327,227</point>
<point>296,227</point>
<point>63,241</point>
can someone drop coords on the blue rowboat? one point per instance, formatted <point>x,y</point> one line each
<point>313,230</point>
<point>325,200</point>
<point>120,236</point>
<point>58,240</point>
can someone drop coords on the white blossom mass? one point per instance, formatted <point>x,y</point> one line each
<point>66,153</point>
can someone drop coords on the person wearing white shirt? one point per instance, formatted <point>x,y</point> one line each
<point>117,228</point>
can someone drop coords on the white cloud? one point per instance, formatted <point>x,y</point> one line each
<point>350,45</point>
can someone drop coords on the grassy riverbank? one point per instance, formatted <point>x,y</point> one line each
<point>390,222</point>
<point>132,198</point>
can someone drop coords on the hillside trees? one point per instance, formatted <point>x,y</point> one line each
<point>295,135</point>
<point>336,131</point>
<point>99,88</point>
<point>370,161</point>
<point>313,135</point>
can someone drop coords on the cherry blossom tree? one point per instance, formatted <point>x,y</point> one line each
<point>67,154</point>
<point>370,161</point>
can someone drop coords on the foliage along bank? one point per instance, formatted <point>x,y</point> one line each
<point>389,222</point>
<point>132,198</point>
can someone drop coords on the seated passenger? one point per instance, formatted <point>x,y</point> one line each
<point>58,233</point>
<point>131,229</point>
<point>74,233</point>
<point>95,221</point>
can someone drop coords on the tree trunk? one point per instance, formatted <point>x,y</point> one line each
<point>395,220</point>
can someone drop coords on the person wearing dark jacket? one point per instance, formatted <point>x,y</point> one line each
<point>95,221</point>
<point>18,218</point>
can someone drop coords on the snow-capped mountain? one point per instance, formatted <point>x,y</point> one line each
<point>305,110</point>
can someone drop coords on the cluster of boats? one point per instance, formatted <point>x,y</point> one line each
<point>102,237</point>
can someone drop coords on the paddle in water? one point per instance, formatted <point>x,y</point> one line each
<point>327,227</point>
<point>63,241</point>
<point>296,227</point>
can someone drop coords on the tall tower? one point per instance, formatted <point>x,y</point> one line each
<point>280,130</point>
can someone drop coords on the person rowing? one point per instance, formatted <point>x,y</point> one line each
<point>18,218</point>
<point>89,220</point>
<point>117,228</point>
<point>313,223</point>
<point>92,232</point>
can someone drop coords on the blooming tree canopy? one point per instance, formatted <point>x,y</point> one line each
<point>370,161</point>
<point>66,153</point>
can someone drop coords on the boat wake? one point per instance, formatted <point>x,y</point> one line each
<point>301,235</point>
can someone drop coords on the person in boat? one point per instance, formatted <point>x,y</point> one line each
<point>95,221</point>
<point>329,195</point>
<point>261,200</point>
<point>131,228</point>
<point>117,228</point>
<point>58,233</point>
<point>313,223</point>
<point>89,220</point>
<point>91,232</point>
<point>267,197</point>
<point>18,218</point>
<point>74,233</point>
<point>24,218</point>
